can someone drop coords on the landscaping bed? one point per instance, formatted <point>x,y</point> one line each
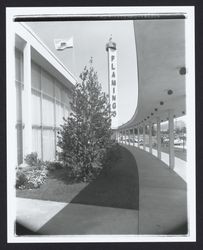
<point>57,187</point>
<point>117,186</point>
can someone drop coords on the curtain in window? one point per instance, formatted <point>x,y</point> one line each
<point>48,145</point>
<point>35,76</point>
<point>47,84</point>
<point>36,141</point>
<point>36,111</point>
<point>47,112</point>
<point>58,91</point>
<point>59,114</point>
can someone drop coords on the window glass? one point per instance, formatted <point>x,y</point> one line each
<point>35,76</point>
<point>36,141</point>
<point>48,145</point>
<point>47,84</point>
<point>59,114</point>
<point>36,111</point>
<point>58,91</point>
<point>47,111</point>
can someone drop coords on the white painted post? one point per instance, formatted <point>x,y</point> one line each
<point>158,138</point>
<point>26,101</point>
<point>171,140</point>
<point>144,142</point>
<point>125,136</point>
<point>133,137</point>
<point>12,159</point>
<point>150,137</point>
<point>128,136</point>
<point>138,137</point>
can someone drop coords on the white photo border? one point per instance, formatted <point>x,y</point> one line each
<point>11,13</point>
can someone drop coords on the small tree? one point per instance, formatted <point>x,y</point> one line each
<point>86,134</point>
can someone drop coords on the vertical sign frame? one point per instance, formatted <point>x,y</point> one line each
<point>112,71</point>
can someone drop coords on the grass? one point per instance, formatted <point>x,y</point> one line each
<point>116,187</point>
<point>56,188</point>
<point>179,152</point>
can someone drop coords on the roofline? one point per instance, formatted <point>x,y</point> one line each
<point>48,50</point>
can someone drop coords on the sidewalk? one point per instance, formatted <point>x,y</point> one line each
<point>108,205</point>
<point>160,206</point>
<point>180,165</point>
<point>162,197</point>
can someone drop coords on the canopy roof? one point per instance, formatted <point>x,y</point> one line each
<point>160,48</point>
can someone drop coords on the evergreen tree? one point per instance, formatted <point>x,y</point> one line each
<point>85,136</point>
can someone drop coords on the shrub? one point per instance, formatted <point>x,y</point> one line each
<point>86,133</point>
<point>53,165</point>
<point>32,160</point>
<point>111,155</point>
<point>21,178</point>
<point>35,178</point>
<point>30,178</point>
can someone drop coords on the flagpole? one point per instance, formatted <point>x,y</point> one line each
<point>61,44</point>
<point>74,62</point>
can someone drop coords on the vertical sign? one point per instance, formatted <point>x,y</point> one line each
<point>112,61</point>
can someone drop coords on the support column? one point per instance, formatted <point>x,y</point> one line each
<point>171,140</point>
<point>26,101</point>
<point>128,136</point>
<point>133,137</point>
<point>125,137</point>
<point>12,159</point>
<point>144,142</point>
<point>150,137</point>
<point>138,137</point>
<point>158,138</point>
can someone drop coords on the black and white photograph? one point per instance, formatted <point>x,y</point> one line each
<point>100,124</point>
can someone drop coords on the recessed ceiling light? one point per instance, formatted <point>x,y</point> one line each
<point>182,71</point>
<point>170,92</point>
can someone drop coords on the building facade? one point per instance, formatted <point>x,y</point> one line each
<point>43,89</point>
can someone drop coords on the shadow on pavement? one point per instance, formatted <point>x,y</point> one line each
<point>118,188</point>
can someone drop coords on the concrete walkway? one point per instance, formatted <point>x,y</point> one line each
<point>162,198</point>
<point>55,218</point>
<point>180,165</point>
<point>33,213</point>
<point>83,219</point>
<point>162,207</point>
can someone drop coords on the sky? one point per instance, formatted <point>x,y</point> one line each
<point>89,40</point>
